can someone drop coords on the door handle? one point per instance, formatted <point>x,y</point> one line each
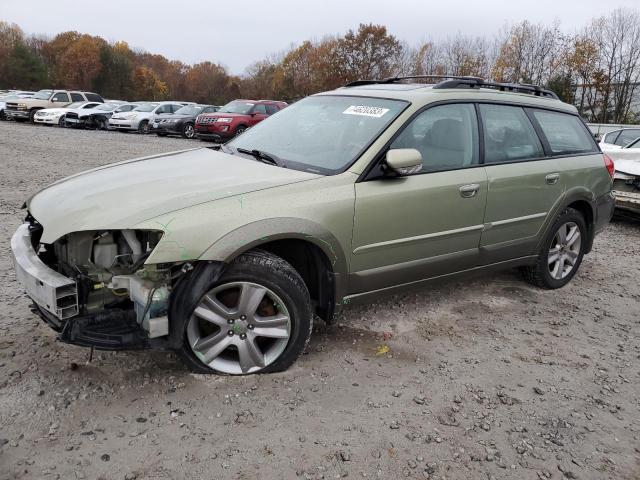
<point>468,191</point>
<point>552,178</point>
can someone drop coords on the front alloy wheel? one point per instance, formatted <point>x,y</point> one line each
<point>188,131</point>
<point>256,318</point>
<point>239,327</point>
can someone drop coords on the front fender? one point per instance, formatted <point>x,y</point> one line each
<point>260,232</point>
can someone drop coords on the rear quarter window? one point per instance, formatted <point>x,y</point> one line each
<point>565,132</point>
<point>93,97</point>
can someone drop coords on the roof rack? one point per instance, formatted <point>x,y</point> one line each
<point>456,81</point>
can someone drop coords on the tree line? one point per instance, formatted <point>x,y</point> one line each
<point>597,68</point>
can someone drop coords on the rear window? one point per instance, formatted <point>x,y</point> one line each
<point>93,97</point>
<point>565,133</point>
<point>76,97</point>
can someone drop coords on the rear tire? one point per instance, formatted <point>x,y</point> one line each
<point>216,344</point>
<point>32,115</point>
<point>62,122</point>
<point>561,252</point>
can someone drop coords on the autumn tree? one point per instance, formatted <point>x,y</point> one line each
<point>147,85</point>
<point>370,52</point>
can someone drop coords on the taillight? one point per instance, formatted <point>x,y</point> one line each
<point>608,163</point>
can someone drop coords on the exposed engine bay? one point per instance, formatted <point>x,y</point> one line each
<point>113,285</point>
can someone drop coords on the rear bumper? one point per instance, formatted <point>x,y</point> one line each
<point>605,205</point>
<point>49,290</point>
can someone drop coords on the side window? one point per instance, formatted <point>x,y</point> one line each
<point>446,136</point>
<point>611,137</point>
<point>565,133</point>
<point>91,105</point>
<point>271,109</point>
<point>77,97</point>
<point>627,136</point>
<point>175,108</point>
<point>209,110</point>
<point>93,97</point>
<point>62,97</point>
<point>163,109</point>
<point>508,134</point>
<point>260,109</point>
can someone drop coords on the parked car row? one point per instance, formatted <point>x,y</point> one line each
<point>81,109</point>
<point>624,147</point>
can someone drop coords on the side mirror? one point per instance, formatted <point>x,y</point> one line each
<point>404,161</point>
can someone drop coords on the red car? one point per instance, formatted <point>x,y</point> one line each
<point>234,118</point>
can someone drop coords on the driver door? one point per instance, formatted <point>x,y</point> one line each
<point>258,113</point>
<point>411,228</point>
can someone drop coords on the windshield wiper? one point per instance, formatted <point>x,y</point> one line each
<point>264,157</point>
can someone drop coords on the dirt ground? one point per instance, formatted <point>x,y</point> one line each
<point>485,378</point>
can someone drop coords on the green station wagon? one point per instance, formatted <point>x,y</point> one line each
<point>226,255</point>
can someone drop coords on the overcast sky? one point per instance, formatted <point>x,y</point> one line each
<point>237,33</point>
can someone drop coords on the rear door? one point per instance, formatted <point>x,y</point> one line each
<point>524,184</point>
<point>420,226</point>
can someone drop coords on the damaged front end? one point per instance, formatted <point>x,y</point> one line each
<point>94,287</point>
<point>626,189</point>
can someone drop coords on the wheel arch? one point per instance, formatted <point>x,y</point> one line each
<point>311,249</point>
<point>582,200</point>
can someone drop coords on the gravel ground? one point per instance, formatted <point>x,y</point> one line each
<point>485,378</point>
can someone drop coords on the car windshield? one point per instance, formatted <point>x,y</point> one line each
<point>189,110</point>
<point>75,105</point>
<point>237,107</point>
<point>321,134</point>
<point>43,95</point>
<point>145,107</point>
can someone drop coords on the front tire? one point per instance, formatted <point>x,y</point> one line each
<point>240,130</point>
<point>143,127</point>
<point>561,253</point>
<point>256,318</point>
<point>188,131</point>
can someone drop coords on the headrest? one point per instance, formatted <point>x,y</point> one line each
<point>446,133</point>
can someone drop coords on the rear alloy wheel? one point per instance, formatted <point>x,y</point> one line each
<point>188,131</point>
<point>561,253</point>
<point>32,115</point>
<point>256,318</point>
<point>143,127</point>
<point>61,122</point>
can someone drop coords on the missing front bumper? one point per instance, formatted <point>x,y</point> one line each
<point>51,291</point>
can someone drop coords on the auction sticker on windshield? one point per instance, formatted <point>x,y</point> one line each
<point>366,111</point>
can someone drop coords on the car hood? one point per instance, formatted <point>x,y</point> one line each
<point>90,111</point>
<point>173,117</point>
<point>122,195</point>
<point>220,114</point>
<point>55,110</point>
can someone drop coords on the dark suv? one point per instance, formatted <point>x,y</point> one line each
<point>234,118</point>
<point>181,122</point>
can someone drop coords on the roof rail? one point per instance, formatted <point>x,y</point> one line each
<point>457,81</point>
